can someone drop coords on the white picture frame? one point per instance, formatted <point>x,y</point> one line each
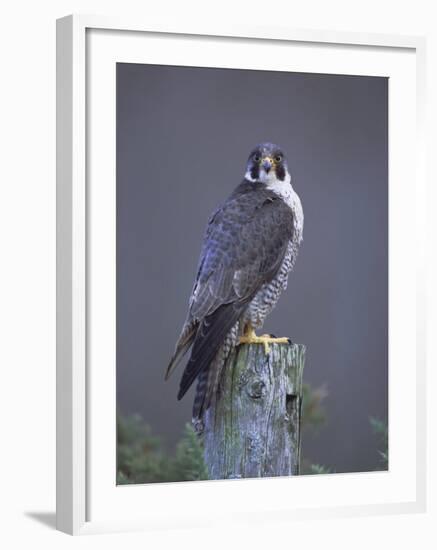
<point>78,490</point>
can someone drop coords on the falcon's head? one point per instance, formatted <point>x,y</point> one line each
<point>267,164</point>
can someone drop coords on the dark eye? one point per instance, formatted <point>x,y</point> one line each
<point>278,158</point>
<point>256,157</point>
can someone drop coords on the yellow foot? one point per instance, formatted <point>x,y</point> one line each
<point>251,338</point>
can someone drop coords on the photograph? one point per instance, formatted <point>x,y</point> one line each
<point>251,273</point>
<point>218,260</point>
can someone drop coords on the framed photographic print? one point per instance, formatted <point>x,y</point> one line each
<point>240,274</point>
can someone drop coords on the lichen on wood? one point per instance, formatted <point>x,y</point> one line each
<point>252,428</point>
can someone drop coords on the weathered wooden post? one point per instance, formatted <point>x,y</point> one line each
<point>252,429</point>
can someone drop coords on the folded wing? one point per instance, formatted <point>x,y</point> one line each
<point>244,246</point>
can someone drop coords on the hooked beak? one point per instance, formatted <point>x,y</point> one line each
<point>267,164</point>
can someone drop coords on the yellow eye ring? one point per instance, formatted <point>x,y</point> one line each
<point>278,158</point>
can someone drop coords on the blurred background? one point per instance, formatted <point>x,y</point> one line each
<point>183,137</point>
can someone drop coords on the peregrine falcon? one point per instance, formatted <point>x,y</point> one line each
<point>249,248</point>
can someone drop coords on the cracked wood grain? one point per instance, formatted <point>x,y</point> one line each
<point>252,428</point>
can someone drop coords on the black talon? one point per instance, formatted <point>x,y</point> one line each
<point>290,341</point>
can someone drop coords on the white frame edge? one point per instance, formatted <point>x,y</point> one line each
<point>71,387</point>
<point>71,276</point>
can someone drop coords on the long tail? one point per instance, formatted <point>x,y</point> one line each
<point>201,390</point>
<point>210,335</point>
<point>208,381</point>
<point>183,345</point>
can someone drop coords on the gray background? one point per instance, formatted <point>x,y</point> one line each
<point>183,137</point>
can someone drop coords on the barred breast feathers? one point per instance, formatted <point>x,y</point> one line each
<point>269,294</point>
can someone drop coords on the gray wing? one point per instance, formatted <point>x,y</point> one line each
<point>243,248</point>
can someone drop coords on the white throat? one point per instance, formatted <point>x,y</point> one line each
<point>285,191</point>
<point>282,188</point>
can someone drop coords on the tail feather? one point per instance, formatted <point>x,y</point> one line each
<point>207,384</point>
<point>209,337</point>
<point>183,345</point>
<point>201,389</point>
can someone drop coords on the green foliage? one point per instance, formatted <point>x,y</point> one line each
<point>141,458</point>
<point>188,464</point>
<point>313,414</point>
<point>316,469</point>
<point>380,429</point>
